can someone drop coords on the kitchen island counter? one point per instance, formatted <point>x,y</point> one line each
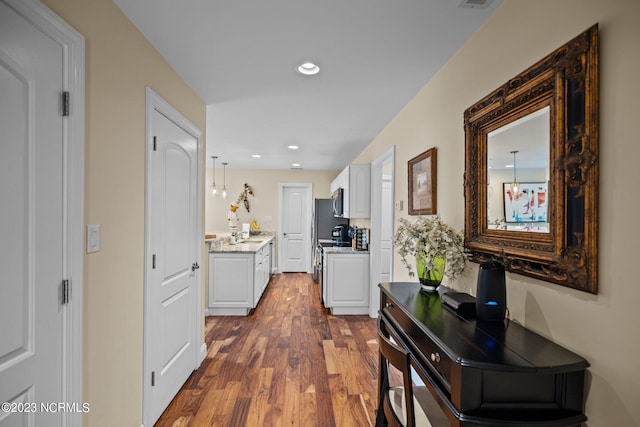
<point>251,245</point>
<point>239,275</point>
<point>346,280</point>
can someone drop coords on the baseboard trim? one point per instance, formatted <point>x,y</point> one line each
<point>203,353</point>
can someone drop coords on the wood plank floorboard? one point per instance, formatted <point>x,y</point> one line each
<point>289,363</point>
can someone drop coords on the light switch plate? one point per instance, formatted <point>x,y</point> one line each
<point>399,205</point>
<point>93,238</point>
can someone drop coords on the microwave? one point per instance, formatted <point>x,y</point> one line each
<point>338,202</point>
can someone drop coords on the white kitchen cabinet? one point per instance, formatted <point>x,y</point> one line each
<point>347,283</point>
<point>231,283</point>
<point>355,180</point>
<point>237,279</point>
<point>262,266</point>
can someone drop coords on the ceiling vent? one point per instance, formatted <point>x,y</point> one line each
<point>475,4</point>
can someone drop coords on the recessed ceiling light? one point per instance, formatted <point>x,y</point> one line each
<point>308,69</point>
<point>256,156</point>
<point>296,165</point>
<point>293,147</point>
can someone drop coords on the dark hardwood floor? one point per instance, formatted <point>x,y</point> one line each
<point>289,363</point>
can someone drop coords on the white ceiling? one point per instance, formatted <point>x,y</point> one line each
<point>240,58</point>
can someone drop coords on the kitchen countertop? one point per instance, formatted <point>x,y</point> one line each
<point>342,250</point>
<point>252,245</point>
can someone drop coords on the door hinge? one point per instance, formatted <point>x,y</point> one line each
<point>153,261</point>
<point>66,292</point>
<point>153,378</point>
<point>155,142</point>
<point>65,103</point>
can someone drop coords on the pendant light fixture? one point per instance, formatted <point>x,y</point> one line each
<point>224,182</point>
<point>214,189</point>
<point>515,187</point>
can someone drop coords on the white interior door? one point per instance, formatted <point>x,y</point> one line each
<point>386,226</point>
<point>36,247</point>
<point>382,206</point>
<point>295,227</point>
<point>172,255</point>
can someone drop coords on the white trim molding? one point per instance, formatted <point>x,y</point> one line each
<point>307,221</point>
<point>155,102</point>
<point>73,49</point>
<point>377,179</point>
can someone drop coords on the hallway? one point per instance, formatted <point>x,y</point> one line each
<point>288,363</point>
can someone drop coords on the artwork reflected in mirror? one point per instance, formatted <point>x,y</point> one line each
<point>531,169</point>
<point>518,173</point>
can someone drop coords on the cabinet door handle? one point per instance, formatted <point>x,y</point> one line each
<point>194,266</point>
<point>435,357</point>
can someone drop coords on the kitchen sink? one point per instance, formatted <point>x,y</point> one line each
<point>252,240</point>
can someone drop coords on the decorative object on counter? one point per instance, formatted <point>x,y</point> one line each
<point>430,278</point>
<point>437,247</point>
<point>255,228</point>
<point>209,236</point>
<point>214,189</point>
<point>422,183</point>
<point>244,196</point>
<point>232,217</point>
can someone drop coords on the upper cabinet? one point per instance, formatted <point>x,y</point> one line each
<point>355,180</point>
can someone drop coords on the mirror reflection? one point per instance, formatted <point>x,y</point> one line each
<point>518,174</point>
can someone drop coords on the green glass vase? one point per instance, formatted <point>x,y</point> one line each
<point>430,279</point>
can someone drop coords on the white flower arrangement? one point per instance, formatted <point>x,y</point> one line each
<point>433,238</point>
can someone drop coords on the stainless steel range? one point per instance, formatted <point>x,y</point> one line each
<point>322,228</point>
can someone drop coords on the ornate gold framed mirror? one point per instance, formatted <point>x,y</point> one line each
<point>531,169</point>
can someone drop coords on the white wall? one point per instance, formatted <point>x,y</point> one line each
<point>602,328</point>
<point>264,203</point>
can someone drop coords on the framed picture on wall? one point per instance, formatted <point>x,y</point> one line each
<point>422,183</point>
<point>528,205</point>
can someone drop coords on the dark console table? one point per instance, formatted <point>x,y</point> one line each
<point>484,373</point>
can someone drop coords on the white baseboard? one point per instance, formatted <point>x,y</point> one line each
<point>203,353</point>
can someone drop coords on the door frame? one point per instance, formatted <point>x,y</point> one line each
<point>376,224</point>
<point>309,200</point>
<point>73,125</point>
<point>155,102</point>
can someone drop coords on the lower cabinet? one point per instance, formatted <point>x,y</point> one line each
<point>347,282</point>
<point>237,281</point>
<point>262,266</point>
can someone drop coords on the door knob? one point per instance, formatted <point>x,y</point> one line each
<point>194,266</point>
